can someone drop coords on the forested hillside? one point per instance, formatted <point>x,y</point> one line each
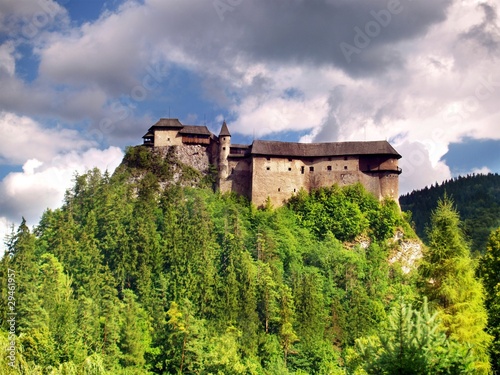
<point>476,197</point>
<point>138,275</point>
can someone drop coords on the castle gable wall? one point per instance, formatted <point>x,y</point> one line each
<point>279,178</point>
<point>168,138</point>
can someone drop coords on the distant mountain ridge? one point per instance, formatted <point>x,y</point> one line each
<point>476,197</point>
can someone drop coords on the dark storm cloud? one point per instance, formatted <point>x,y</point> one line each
<point>317,32</point>
<point>486,33</point>
<point>117,51</point>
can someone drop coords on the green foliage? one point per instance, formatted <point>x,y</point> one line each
<point>164,166</point>
<point>412,342</point>
<point>490,272</point>
<point>135,274</point>
<point>477,198</point>
<point>448,278</point>
<point>142,158</point>
<point>346,212</point>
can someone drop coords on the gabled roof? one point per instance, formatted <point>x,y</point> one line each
<point>274,148</point>
<point>175,124</point>
<point>196,129</point>
<point>172,123</point>
<point>148,135</point>
<point>224,131</point>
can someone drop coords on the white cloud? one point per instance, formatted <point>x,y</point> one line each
<point>418,170</point>
<point>50,159</point>
<point>6,227</point>
<point>42,185</point>
<point>28,19</point>
<point>9,8</point>
<point>482,170</point>
<point>277,115</point>
<point>107,53</point>
<point>22,138</point>
<point>7,59</point>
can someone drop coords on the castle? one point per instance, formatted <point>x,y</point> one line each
<point>276,170</point>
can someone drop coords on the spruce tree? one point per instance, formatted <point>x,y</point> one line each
<point>412,343</point>
<point>490,272</point>
<point>451,286</point>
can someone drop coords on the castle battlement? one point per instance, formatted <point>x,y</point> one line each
<point>277,170</point>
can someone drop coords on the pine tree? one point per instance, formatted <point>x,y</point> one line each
<point>490,273</point>
<point>287,333</point>
<point>111,321</point>
<point>268,295</point>
<point>412,343</point>
<point>135,337</point>
<point>57,296</point>
<point>185,330</point>
<point>32,320</point>
<point>451,286</point>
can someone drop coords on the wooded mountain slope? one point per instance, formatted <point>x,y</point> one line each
<point>476,197</point>
<point>138,275</point>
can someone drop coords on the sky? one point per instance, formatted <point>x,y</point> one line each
<point>81,80</point>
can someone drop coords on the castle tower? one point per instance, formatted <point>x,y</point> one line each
<point>224,146</point>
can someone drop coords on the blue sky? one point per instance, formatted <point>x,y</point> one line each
<point>81,80</point>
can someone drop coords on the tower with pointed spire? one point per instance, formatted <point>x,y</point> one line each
<point>224,147</point>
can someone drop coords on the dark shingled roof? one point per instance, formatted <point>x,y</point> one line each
<point>196,129</point>
<point>224,131</point>
<point>147,135</point>
<point>323,149</point>
<point>167,123</point>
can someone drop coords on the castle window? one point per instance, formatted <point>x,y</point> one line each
<point>223,148</point>
<point>329,168</point>
<point>268,158</point>
<point>168,139</point>
<point>268,168</point>
<point>294,190</point>
<point>311,169</point>
<point>289,169</point>
<point>279,189</point>
<point>289,159</point>
<point>302,169</point>
<point>345,167</point>
<point>232,170</point>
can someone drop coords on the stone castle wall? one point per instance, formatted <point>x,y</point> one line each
<point>280,178</point>
<point>168,138</point>
<point>259,177</point>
